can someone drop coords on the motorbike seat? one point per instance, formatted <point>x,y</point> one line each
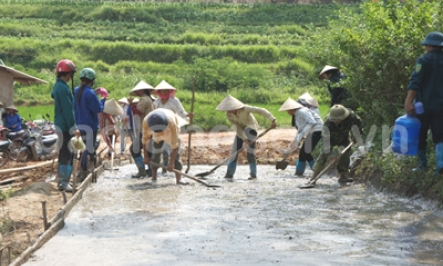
<point>48,142</point>
<point>46,132</point>
<point>4,144</point>
<point>16,135</point>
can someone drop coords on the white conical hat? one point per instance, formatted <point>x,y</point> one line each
<point>230,103</point>
<point>136,100</point>
<point>141,86</point>
<point>290,104</point>
<point>123,100</point>
<point>164,86</point>
<point>309,99</point>
<point>112,107</point>
<point>12,107</point>
<point>326,69</point>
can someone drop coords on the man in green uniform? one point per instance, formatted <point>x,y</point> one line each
<point>426,86</point>
<point>336,133</point>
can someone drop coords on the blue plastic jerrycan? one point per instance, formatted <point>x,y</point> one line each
<point>405,135</point>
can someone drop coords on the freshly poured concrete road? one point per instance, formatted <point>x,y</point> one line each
<point>268,221</point>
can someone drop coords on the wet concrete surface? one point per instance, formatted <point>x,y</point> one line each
<point>121,221</point>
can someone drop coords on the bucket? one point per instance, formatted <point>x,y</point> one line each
<point>405,135</point>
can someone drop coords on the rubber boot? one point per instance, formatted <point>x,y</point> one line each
<point>83,175</point>
<point>439,155</point>
<point>141,168</point>
<point>232,166</point>
<point>300,168</point>
<point>344,178</point>
<point>253,171</point>
<point>311,164</point>
<point>422,161</point>
<point>65,175</point>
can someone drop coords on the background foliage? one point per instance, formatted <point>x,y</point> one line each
<point>377,48</point>
<point>255,52</point>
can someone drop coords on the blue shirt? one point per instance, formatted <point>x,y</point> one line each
<point>13,120</point>
<point>427,80</point>
<point>87,109</point>
<point>129,114</point>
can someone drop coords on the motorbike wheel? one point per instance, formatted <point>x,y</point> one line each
<point>14,150</point>
<point>24,156</point>
<point>4,157</point>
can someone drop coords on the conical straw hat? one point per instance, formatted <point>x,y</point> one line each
<point>230,103</point>
<point>123,100</point>
<point>136,100</point>
<point>141,86</point>
<point>164,86</point>
<point>326,69</point>
<point>290,104</point>
<point>113,108</point>
<point>309,99</point>
<point>12,107</point>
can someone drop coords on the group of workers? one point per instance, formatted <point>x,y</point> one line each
<point>77,114</point>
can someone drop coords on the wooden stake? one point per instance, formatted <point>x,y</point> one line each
<point>112,154</point>
<point>45,218</point>
<point>64,197</point>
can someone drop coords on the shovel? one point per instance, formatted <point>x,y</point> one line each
<point>311,183</point>
<point>282,164</point>
<point>184,174</point>
<point>202,175</point>
<point>190,132</point>
<point>112,154</point>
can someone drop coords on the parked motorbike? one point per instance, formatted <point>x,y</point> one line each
<point>4,152</point>
<point>16,139</point>
<point>37,146</point>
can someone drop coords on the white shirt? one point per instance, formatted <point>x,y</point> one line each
<point>172,104</point>
<point>307,121</point>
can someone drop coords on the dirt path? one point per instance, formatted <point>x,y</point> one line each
<point>21,215</point>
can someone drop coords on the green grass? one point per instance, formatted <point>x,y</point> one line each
<point>206,116</point>
<point>36,112</point>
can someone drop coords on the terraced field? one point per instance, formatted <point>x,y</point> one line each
<point>255,52</point>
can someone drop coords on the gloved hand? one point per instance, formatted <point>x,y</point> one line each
<point>285,152</point>
<point>103,92</point>
<point>334,153</point>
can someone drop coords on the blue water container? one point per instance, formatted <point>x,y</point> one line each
<point>405,135</point>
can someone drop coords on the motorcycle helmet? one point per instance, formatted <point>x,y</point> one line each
<point>65,66</point>
<point>87,73</point>
<point>157,121</point>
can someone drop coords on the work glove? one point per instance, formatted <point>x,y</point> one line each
<point>334,153</point>
<point>77,144</point>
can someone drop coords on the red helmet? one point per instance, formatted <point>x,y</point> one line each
<point>65,66</point>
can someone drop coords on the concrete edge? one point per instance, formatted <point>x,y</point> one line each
<point>58,221</point>
<point>48,234</point>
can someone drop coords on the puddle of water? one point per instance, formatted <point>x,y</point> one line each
<point>121,221</point>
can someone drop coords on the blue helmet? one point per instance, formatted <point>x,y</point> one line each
<point>434,39</point>
<point>157,121</point>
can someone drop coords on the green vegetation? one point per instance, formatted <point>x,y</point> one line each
<point>6,194</point>
<point>377,48</point>
<point>261,54</point>
<point>254,52</point>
